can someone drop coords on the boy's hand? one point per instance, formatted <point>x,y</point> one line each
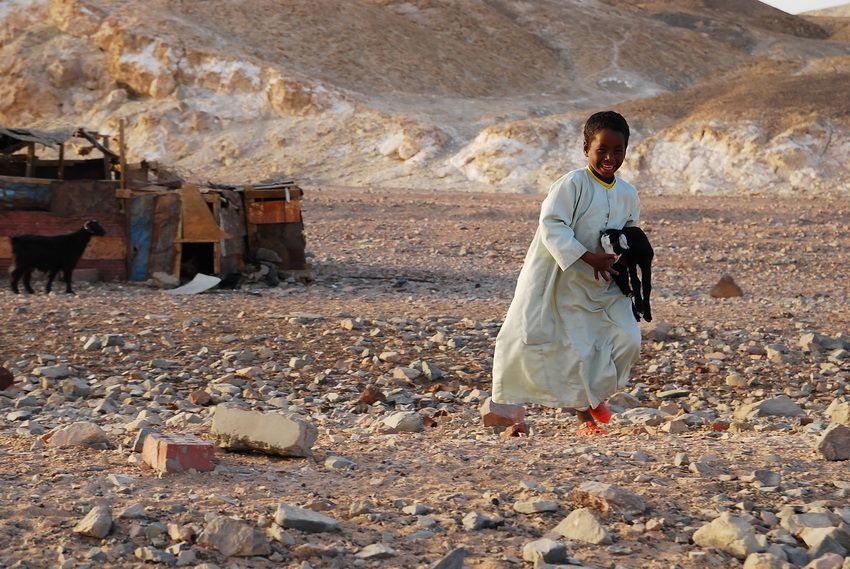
<point>602,263</point>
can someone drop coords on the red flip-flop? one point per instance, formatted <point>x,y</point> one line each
<point>601,413</point>
<point>589,429</point>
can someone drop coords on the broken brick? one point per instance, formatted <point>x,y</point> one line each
<point>177,453</point>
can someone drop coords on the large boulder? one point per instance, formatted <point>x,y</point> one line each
<point>731,534</point>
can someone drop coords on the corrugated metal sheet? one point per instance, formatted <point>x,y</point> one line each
<point>140,222</point>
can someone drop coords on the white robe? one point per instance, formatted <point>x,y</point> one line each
<point>569,340</point>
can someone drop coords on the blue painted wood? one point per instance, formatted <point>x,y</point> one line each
<point>140,221</point>
<point>18,195</point>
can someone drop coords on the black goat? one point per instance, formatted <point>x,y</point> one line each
<point>632,245</point>
<point>50,254</point>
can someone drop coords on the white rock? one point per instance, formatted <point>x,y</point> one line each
<point>82,433</point>
<point>97,523</point>
<point>582,525</point>
<point>731,534</point>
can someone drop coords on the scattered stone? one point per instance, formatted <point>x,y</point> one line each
<point>53,372</point>
<point>821,541</point>
<point>582,525</point>
<point>376,551</point>
<point>726,288</point>
<point>273,432</point>
<point>765,561</point>
<point>535,506</point>
<point>834,443</point>
<point>233,537</point>
<point>606,497</point>
<point>731,534</point>
<point>200,397</point>
<point>155,555</point>
<point>828,561</point>
<point>781,406</point>
<point>546,550</point>
<point>403,422</point>
<point>496,414</point>
<point>453,560</point>
<point>81,433</point>
<point>474,521</point>
<point>97,523</point>
<point>302,519</point>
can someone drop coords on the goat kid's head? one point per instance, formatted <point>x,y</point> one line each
<point>93,227</point>
<point>614,242</point>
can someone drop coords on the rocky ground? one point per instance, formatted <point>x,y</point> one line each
<point>719,425</point>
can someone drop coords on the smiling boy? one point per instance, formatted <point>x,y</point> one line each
<point>569,340</point>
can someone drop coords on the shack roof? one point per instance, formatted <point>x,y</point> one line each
<point>13,139</point>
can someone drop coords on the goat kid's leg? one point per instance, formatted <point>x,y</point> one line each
<point>646,273</point>
<point>27,285</point>
<point>635,283</point>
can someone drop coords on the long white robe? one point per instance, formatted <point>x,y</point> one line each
<point>569,340</point>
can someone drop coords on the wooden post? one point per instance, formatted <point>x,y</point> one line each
<point>121,154</point>
<point>178,249</point>
<point>107,166</point>
<point>61,172</point>
<point>30,159</point>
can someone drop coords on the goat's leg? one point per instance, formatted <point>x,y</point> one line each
<point>67,272</point>
<point>646,273</point>
<point>50,276</point>
<point>27,285</point>
<point>16,276</point>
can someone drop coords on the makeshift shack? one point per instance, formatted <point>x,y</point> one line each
<point>178,229</point>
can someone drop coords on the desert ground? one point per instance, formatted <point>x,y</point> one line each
<point>429,276</point>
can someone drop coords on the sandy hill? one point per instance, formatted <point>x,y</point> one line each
<point>723,95</point>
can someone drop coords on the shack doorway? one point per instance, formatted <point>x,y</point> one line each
<point>197,258</point>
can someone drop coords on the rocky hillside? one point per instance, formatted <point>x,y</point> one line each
<point>724,95</point>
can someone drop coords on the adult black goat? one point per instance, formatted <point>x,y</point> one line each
<point>52,254</point>
<point>632,244</point>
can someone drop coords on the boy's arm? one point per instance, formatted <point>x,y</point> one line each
<point>556,224</point>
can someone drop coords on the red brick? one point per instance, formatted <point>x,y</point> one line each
<point>177,453</point>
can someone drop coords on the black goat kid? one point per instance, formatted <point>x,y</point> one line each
<point>51,254</point>
<point>632,244</point>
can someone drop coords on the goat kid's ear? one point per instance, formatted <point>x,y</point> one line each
<point>624,243</point>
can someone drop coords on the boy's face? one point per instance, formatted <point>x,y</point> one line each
<point>606,152</point>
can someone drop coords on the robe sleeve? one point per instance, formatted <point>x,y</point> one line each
<point>556,224</point>
<point>634,214</point>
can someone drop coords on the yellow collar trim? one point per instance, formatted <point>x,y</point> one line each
<point>593,175</point>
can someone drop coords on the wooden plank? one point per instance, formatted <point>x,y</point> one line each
<point>199,226</point>
<point>265,212</point>
<point>294,193</point>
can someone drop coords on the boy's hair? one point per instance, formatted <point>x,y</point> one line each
<point>605,119</point>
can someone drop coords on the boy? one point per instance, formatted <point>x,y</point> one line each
<point>569,339</point>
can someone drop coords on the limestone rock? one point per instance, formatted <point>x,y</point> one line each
<point>606,497</point>
<point>546,550</point>
<point>235,537</point>
<point>765,561</point>
<point>273,432</point>
<point>582,525</point>
<point>821,541</point>
<point>780,406</point>
<point>731,534</point>
<point>834,443</point>
<point>403,422</point>
<point>303,519</point>
<point>81,433</point>
<point>97,523</point>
